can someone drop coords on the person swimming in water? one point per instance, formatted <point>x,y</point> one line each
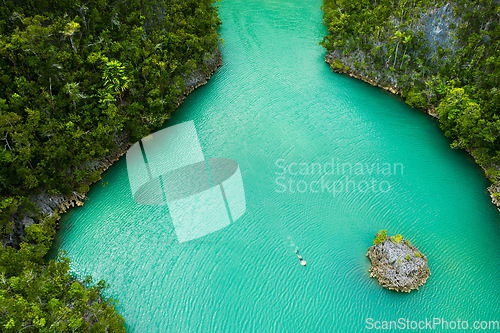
<point>302,261</point>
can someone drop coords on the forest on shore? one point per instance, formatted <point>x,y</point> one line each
<point>76,79</point>
<point>79,78</point>
<point>441,56</point>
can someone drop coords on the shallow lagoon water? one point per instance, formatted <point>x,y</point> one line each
<point>275,103</point>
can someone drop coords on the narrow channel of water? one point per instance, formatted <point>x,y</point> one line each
<point>274,103</point>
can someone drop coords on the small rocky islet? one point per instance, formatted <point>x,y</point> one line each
<point>396,263</point>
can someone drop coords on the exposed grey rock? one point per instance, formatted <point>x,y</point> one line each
<point>27,222</point>
<point>436,26</point>
<point>199,77</point>
<point>398,266</point>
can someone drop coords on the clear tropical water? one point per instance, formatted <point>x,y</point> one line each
<point>273,103</point>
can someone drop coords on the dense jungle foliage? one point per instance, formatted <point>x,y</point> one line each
<point>75,76</point>
<point>443,56</point>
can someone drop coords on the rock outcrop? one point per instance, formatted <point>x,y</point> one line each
<point>397,264</point>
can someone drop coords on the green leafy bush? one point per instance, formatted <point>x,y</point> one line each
<point>47,299</point>
<point>380,237</point>
<point>416,99</point>
<point>337,65</point>
<point>397,239</point>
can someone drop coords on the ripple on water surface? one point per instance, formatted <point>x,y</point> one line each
<point>275,99</point>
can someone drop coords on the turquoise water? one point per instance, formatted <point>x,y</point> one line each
<point>274,102</point>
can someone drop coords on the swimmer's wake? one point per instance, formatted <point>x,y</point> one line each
<point>296,251</point>
<point>302,261</point>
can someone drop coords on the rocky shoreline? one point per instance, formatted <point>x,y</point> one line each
<point>397,264</point>
<point>330,58</point>
<point>53,205</point>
